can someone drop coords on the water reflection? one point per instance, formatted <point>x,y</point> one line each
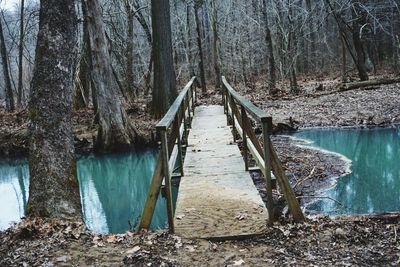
<point>113,191</point>
<point>373,186</point>
<point>13,191</point>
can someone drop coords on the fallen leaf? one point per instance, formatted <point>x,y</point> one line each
<point>63,259</point>
<point>180,216</point>
<point>133,250</point>
<point>190,248</point>
<point>112,239</point>
<point>238,262</point>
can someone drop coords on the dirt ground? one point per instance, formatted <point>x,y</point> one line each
<point>343,241</point>
<point>321,241</point>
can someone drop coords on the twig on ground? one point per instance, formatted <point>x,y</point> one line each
<point>324,197</point>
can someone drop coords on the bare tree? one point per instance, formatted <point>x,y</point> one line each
<point>216,45</point>
<point>164,91</point>
<point>6,73</point>
<point>197,5</point>
<point>54,188</point>
<point>115,132</point>
<point>271,57</point>
<point>20,54</point>
<point>129,79</point>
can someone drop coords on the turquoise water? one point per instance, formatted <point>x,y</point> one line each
<point>373,186</point>
<point>113,191</point>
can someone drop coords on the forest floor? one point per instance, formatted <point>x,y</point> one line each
<point>322,241</point>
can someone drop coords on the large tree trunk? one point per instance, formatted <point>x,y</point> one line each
<point>20,55</point>
<point>200,47</point>
<point>129,50</point>
<point>271,57</point>
<point>164,86</point>
<point>217,58</point>
<point>54,188</point>
<point>115,132</point>
<point>189,44</point>
<point>6,73</point>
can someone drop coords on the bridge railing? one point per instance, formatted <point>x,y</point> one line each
<point>239,112</point>
<point>173,130</point>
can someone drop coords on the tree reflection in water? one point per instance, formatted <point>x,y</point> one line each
<point>113,190</point>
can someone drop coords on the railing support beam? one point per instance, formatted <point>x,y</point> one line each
<point>266,128</point>
<point>167,177</point>
<point>244,140</point>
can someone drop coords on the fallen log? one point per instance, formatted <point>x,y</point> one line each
<point>356,85</point>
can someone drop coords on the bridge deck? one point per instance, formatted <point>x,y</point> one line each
<point>217,197</point>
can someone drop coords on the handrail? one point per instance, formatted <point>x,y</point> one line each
<point>257,113</point>
<point>169,117</point>
<point>263,154</point>
<point>173,131</point>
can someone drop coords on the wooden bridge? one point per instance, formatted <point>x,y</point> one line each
<point>217,198</point>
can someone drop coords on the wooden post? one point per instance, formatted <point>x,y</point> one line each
<point>183,111</point>
<point>152,196</point>
<point>195,92</point>
<point>244,139</point>
<point>193,97</point>
<point>223,98</point>
<point>284,184</point>
<point>188,109</point>
<point>167,177</point>
<point>227,108</point>
<point>266,128</point>
<point>232,101</point>
<point>233,126</point>
<point>179,141</point>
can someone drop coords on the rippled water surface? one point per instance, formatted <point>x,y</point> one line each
<point>113,190</point>
<point>373,186</point>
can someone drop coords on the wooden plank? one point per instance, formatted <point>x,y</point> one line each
<point>152,196</point>
<point>167,176</point>
<point>217,198</point>
<point>284,184</point>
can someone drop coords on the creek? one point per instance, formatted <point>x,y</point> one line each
<point>373,185</point>
<point>113,191</point>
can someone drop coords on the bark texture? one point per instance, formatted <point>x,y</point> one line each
<point>271,57</point>
<point>200,47</point>
<point>6,72</point>
<point>361,62</point>
<point>115,132</point>
<point>54,188</point>
<point>164,88</point>
<point>83,81</point>
<point>216,44</point>
<point>129,49</point>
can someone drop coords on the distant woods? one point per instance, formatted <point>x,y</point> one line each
<point>247,41</point>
